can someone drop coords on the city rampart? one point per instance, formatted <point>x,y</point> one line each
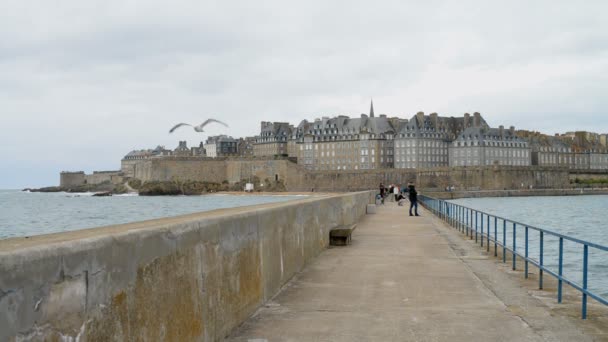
<point>469,178</point>
<point>98,177</point>
<point>187,278</point>
<point>67,178</point>
<point>297,178</point>
<point>182,168</point>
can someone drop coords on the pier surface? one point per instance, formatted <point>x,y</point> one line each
<point>409,279</point>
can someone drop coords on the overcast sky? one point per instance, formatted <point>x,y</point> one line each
<point>84,82</point>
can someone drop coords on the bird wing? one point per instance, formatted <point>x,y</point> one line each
<point>208,121</point>
<point>178,126</point>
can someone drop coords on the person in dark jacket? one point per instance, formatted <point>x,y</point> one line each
<point>413,199</point>
<point>382,192</point>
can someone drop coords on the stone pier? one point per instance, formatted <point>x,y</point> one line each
<point>412,279</point>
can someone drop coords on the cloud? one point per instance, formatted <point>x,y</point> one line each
<point>82,83</point>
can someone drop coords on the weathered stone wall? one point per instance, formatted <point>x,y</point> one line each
<point>188,278</point>
<point>490,178</point>
<point>296,178</point>
<point>101,176</point>
<point>213,170</point>
<point>67,179</point>
<point>238,170</point>
<point>184,168</point>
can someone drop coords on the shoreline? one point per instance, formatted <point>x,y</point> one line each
<point>514,193</point>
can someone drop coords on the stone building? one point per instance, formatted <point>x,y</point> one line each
<point>272,140</point>
<point>572,150</point>
<point>296,137</point>
<point>244,146</point>
<point>481,145</point>
<point>220,146</point>
<point>547,150</point>
<point>344,143</point>
<point>424,140</point>
<point>130,161</point>
<point>182,150</point>
<point>604,140</point>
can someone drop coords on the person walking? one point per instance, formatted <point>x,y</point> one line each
<point>413,199</point>
<point>396,191</point>
<point>382,192</point>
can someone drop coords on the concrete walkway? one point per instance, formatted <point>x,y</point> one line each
<point>403,279</point>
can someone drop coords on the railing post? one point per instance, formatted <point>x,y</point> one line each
<point>495,236</point>
<point>467,220</point>
<point>461,216</point>
<point>560,269</point>
<point>461,219</point>
<point>452,214</point>
<point>526,255</point>
<point>476,225</point>
<point>540,259</point>
<point>504,241</point>
<point>488,240</point>
<point>585,262</point>
<point>481,229</point>
<point>514,245</point>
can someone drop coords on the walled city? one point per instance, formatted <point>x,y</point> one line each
<point>344,153</point>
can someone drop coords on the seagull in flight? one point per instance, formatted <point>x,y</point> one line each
<point>198,128</point>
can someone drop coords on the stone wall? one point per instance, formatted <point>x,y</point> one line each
<point>184,168</point>
<point>67,179</point>
<point>214,170</point>
<point>263,169</point>
<point>188,278</point>
<point>99,177</point>
<point>296,178</point>
<point>470,178</point>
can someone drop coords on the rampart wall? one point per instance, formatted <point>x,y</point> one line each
<point>67,179</point>
<point>493,178</point>
<point>296,178</point>
<point>188,278</point>
<point>184,168</point>
<point>99,177</point>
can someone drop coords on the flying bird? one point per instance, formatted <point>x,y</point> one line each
<point>198,128</point>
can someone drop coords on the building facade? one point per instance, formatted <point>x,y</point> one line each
<point>244,146</point>
<point>273,139</point>
<point>220,146</point>
<point>423,141</point>
<point>344,143</point>
<point>483,146</point>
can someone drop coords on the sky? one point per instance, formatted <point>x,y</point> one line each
<point>82,83</point>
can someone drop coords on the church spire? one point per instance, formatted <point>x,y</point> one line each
<point>371,110</point>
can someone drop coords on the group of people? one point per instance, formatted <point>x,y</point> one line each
<point>399,195</point>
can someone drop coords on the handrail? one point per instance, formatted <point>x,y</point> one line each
<point>461,217</point>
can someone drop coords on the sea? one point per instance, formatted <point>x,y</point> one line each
<point>25,213</point>
<point>581,217</point>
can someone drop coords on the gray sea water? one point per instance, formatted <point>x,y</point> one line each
<point>27,214</point>
<point>582,217</point>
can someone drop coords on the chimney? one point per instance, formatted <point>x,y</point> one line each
<point>420,119</point>
<point>434,120</point>
<point>467,120</point>
<point>501,130</point>
<point>476,119</point>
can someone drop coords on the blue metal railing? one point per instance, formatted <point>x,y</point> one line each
<point>470,221</point>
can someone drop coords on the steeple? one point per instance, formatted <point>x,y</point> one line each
<point>371,110</point>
